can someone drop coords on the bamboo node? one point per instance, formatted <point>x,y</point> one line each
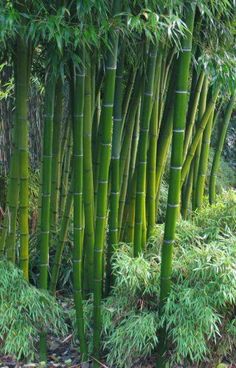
<point>78,228</point>
<point>176,167</point>
<point>77,260</point>
<point>115,193</point>
<point>111,67</point>
<point>168,241</point>
<point>101,217</point>
<point>148,94</point>
<point>98,250</point>
<point>106,144</point>
<point>181,92</point>
<point>173,205</point>
<point>108,105</point>
<point>186,49</point>
<point>78,193</point>
<point>117,119</point>
<point>178,130</point>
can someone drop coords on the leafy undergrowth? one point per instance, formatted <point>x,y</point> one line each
<point>25,312</point>
<point>200,312</point>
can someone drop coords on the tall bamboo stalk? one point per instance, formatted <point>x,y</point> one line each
<point>78,79</point>
<point>219,148</point>
<point>46,194</point>
<point>193,111</point>
<point>88,181</point>
<point>152,154</point>
<point>196,159</point>
<point>203,164</point>
<point>198,134</point>
<point>145,117</point>
<point>113,236</point>
<point>56,153</point>
<point>181,100</point>
<point>61,240</point>
<point>22,87</point>
<point>103,174</point>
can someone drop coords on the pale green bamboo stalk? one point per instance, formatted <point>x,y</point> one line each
<point>145,117</point>
<point>193,111</point>
<point>61,240</point>
<point>46,194</point>
<point>181,100</point>
<point>22,87</point>
<point>78,80</point>
<point>56,154</point>
<point>152,155</point>
<point>196,159</point>
<point>198,134</point>
<point>113,220</point>
<point>203,163</point>
<point>88,182</point>
<point>103,175</point>
<point>219,148</point>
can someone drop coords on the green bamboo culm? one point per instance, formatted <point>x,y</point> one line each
<point>66,168</point>
<point>219,148</point>
<point>165,136</point>
<point>145,117</point>
<point>152,154</point>
<point>196,158</point>
<point>180,109</point>
<point>113,236</point>
<point>193,111</point>
<point>186,193</point>
<point>61,240</point>
<point>88,181</point>
<point>198,134</point>
<point>103,175</point>
<point>56,153</point>
<point>46,194</point>
<point>203,163</point>
<point>78,81</point>
<point>22,87</point>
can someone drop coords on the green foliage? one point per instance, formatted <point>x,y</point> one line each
<point>25,311</point>
<point>200,308</point>
<point>226,177</point>
<point>218,219</point>
<point>162,201</point>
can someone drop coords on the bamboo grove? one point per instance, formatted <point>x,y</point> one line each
<point>132,91</point>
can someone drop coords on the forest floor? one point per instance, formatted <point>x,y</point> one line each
<point>62,354</point>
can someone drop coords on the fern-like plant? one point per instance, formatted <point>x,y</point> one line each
<point>25,311</point>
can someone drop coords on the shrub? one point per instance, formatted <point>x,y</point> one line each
<point>25,311</point>
<point>200,308</point>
